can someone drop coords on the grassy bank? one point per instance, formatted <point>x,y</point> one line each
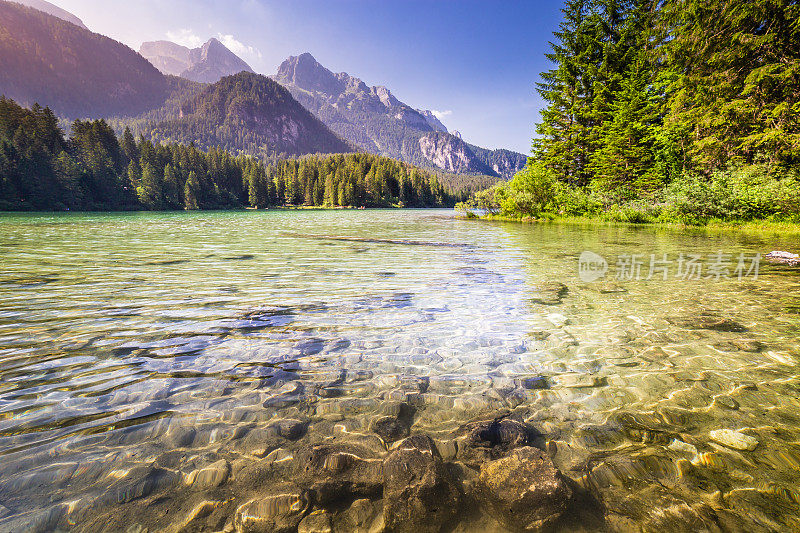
<point>754,199</point>
<point>748,226</point>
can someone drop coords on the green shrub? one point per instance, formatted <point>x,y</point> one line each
<point>531,193</point>
<point>749,193</point>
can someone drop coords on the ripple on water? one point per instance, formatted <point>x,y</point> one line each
<point>190,378</point>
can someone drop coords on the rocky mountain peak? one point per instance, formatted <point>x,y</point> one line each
<point>207,64</point>
<point>386,97</point>
<point>305,72</point>
<point>433,120</point>
<point>166,56</point>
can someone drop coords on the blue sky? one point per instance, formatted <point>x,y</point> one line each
<point>475,62</point>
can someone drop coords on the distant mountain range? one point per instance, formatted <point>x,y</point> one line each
<point>207,64</point>
<point>374,119</point>
<point>48,60</point>
<point>211,97</point>
<point>247,113</point>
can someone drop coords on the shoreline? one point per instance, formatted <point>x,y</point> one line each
<point>751,226</point>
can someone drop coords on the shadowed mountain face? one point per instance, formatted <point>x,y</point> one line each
<point>77,73</point>
<point>374,119</point>
<point>51,9</point>
<point>249,113</point>
<point>207,64</point>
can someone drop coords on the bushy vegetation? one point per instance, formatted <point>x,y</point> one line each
<point>666,110</point>
<point>40,169</point>
<point>745,194</point>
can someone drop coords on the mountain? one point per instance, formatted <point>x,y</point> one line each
<point>502,162</point>
<point>170,58</point>
<point>251,114</point>
<point>51,9</point>
<point>75,72</point>
<point>433,120</point>
<point>207,64</point>
<point>374,119</point>
<point>451,154</point>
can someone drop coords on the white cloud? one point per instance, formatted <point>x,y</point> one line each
<point>238,47</point>
<point>441,114</point>
<point>185,37</point>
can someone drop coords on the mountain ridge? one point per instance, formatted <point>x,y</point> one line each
<point>206,64</point>
<point>374,119</point>
<point>53,10</point>
<point>77,73</point>
<point>248,113</point>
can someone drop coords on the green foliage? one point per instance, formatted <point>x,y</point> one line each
<point>667,110</point>
<point>40,169</point>
<point>532,193</point>
<point>750,193</point>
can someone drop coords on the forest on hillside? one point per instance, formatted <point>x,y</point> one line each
<point>76,72</point>
<point>682,110</point>
<point>93,169</point>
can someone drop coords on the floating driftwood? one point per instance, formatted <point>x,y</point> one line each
<point>378,241</point>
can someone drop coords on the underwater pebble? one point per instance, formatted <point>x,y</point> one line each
<point>577,381</point>
<point>209,477</point>
<point>734,439</point>
<point>557,319</point>
<point>318,521</point>
<point>278,513</point>
<point>680,446</point>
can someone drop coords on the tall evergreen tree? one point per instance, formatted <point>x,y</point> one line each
<point>735,92</point>
<point>566,139</point>
<point>191,191</point>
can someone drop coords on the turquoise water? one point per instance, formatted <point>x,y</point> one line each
<point>137,350</point>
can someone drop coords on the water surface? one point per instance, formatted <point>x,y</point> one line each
<point>136,349</point>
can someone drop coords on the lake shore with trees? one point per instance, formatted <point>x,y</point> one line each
<point>665,113</point>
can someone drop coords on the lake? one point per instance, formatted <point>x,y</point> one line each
<point>160,370</point>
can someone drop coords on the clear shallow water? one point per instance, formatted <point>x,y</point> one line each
<point>137,349</point>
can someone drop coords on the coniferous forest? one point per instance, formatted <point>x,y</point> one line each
<point>40,169</point>
<point>681,110</point>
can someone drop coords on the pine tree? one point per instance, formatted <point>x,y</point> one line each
<point>150,191</point>
<point>172,188</point>
<point>623,165</point>
<point>735,91</point>
<point>566,137</point>
<point>191,191</point>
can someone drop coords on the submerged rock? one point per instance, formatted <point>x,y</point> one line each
<point>707,321</point>
<point>420,494</point>
<point>734,439</point>
<point>279,513</point>
<point>317,522</point>
<point>550,293</point>
<point>524,490</point>
<point>398,425</point>
<point>362,515</point>
<point>491,439</point>
<point>338,472</point>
